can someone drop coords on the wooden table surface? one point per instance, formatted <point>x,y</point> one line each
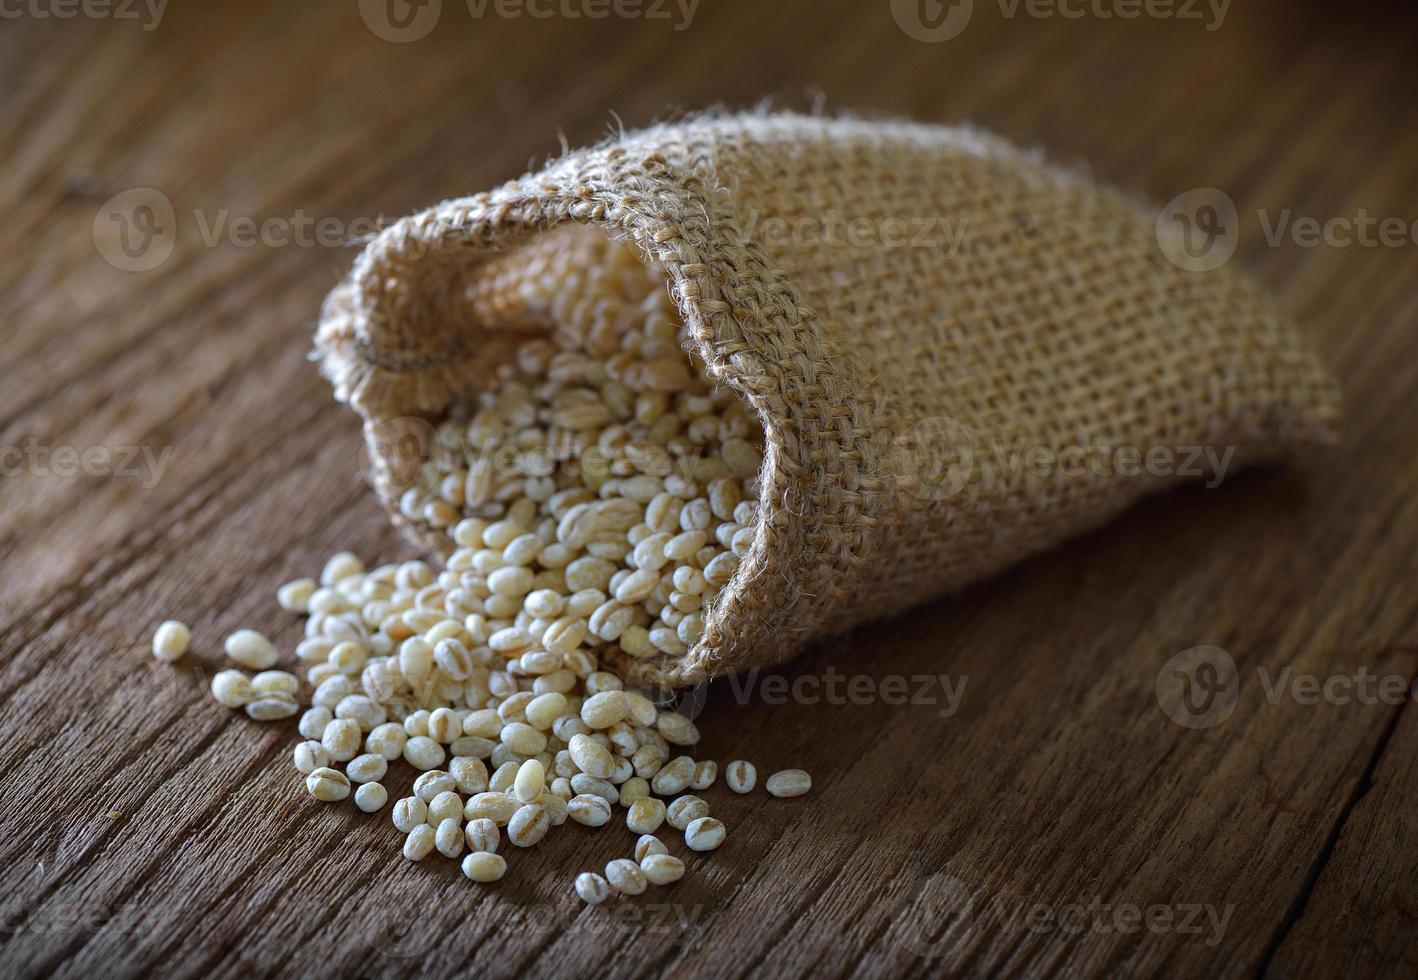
<point>1053,819</point>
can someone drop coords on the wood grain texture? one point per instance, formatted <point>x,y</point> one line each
<point>148,831</point>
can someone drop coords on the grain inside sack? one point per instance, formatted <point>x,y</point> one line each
<point>625,487</point>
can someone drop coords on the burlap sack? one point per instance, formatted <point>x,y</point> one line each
<point>935,328</point>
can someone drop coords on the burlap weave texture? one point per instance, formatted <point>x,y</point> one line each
<point>915,313</point>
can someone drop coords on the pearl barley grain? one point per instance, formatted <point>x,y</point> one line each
<point>645,815</point>
<point>327,785</point>
<point>588,810</point>
<point>704,834</point>
<point>295,596</point>
<point>590,757</point>
<point>272,706</point>
<point>649,844</point>
<point>741,776</point>
<point>482,835</point>
<point>310,756</point>
<point>232,689</point>
<point>705,772</point>
<point>530,781</point>
<point>420,842</point>
<point>685,810</point>
<point>626,877</point>
<point>423,753</point>
<point>313,721</point>
<point>368,768</point>
<point>341,739</point>
<point>171,640</point>
<point>448,838</point>
<point>447,805</point>
<point>484,867</point>
<point>674,777</point>
<point>410,812</point>
<point>788,783</point>
<point>251,650</point>
<point>592,888</point>
<point>528,825</point>
<point>371,797</point>
<point>662,869</point>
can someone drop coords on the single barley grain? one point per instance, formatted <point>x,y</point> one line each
<point>662,869</point>
<point>420,842</point>
<point>327,785</point>
<point>232,689</point>
<point>741,776</point>
<point>483,866</point>
<point>645,815</point>
<point>528,825</point>
<point>626,877</point>
<point>649,844</point>
<point>250,649</point>
<point>685,810</point>
<point>704,834</point>
<point>448,837</point>
<point>410,812</point>
<point>171,640</point>
<point>447,805</point>
<point>482,835</point>
<point>592,888</point>
<point>371,797</point>
<point>788,782</point>
<point>295,596</point>
<point>588,810</point>
<point>368,768</point>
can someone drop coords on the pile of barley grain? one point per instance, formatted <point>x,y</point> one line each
<point>598,499</point>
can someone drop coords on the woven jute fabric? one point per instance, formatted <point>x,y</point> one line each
<point>960,355</point>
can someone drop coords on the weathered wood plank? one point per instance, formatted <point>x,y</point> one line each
<point>150,831</point>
